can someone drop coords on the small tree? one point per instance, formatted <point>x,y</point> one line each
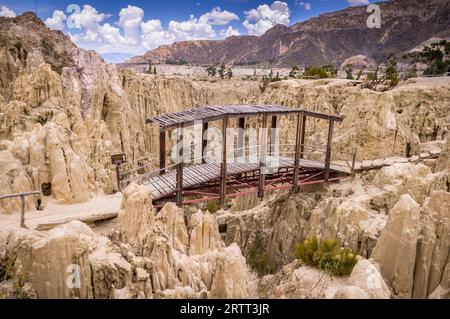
<point>392,76</point>
<point>222,71</point>
<point>211,70</point>
<point>331,69</point>
<point>264,83</point>
<point>271,74</point>
<point>230,73</point>
<point>154,70</point>
<point>437,57</point>
<point>315,72</point>
<point>349,72</point>
<point>294,72</point>
<point>360,73</point>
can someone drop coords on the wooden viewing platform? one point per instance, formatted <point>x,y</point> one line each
<point>248,172</point>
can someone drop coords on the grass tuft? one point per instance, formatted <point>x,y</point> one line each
<point>326,255</point>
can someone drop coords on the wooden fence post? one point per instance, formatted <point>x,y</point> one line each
<point>328,156</point>
<point>179,169</point>
<point>223,168</point>
<point>353,163</point>
<point>263,158</point>
<point>162,152</point>
<point>298,150</point>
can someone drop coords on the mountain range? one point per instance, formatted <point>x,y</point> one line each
<point>328,38</point>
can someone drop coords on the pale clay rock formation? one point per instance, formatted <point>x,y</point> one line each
<point>183,254</point>
<point>158,257</point>
<point>63,115</point>
<point>363,214</point>
<point>413,248</point>
<point>102,111</point>
<point>297,281</point>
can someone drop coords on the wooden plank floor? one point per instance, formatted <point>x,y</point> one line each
<point>197,174</point>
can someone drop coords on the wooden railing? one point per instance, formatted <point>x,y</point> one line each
<point>22,198</point>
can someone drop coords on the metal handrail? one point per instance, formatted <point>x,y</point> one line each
<point>22,198</point>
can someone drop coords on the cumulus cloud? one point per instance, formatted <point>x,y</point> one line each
<point>104,38</point>
<point>88,18</point>
<point>192,29</point>
<point>218,17</point>
<point>228,32</point>
<point>154,35</point>
<point>259,20</point>
<point>132,34</point>
<point>7,12</point>
<point>56,22</point>
<point>354,3</point>
<point>131,20</point>
<point>306,5</point>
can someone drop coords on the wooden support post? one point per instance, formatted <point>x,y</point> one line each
<point>354,163</point>
<point>328,156</point>
<point>241,138</point>
<point>223,168</point>
<point>302,137</point>
<point>273,135</point>
<point>162,152</point>
<point>298,150</point>
<point>241,143</point>
<point>180,165</point>
<point>263,159</point>
<point>204,141</point>
<point>22,214</point>
<point>119,188</point>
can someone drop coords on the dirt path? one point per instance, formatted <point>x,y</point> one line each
<point>99,208</point>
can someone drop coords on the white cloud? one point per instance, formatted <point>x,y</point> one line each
<point>153,34</point>
<point>132,34</point>
<point>354,3</point>
<point>259,20</point>
<point>56,22</point>
<point>192,29</point>
<point>218,17</point>
<point>306,5</point>
<point>131,20</point>
<point>88,18</point>
<point>7,12</point>
<point>228,32</point>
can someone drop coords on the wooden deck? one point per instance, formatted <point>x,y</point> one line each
<point>198,174</point>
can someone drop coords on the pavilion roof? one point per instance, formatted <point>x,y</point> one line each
<point>217,112</point>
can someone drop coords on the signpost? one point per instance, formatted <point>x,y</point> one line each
<point>118,160</point>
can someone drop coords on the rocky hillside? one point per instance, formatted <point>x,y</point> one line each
<point>63,112</point>
<point>63,115</point>
<point>329,38</point>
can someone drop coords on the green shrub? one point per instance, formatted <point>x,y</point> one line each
<point>316,72</point>
<point>392,75</point>
<point>212,207</point>
<point>326,255</point>
<point>258,258</point>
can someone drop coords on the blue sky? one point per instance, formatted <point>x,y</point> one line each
<point>120,29</point>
